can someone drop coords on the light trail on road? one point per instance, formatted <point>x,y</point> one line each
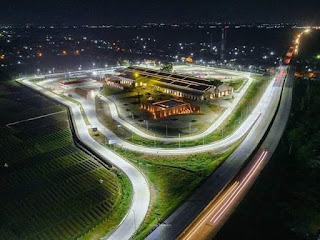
<point>140,202</point>
<point>230,190</point>
<point>223,203</point>
<point>236,192</point>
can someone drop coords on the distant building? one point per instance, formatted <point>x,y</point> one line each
<point>169,107</point>
<point>84,91</point>
<point>177,84</point>
<point>119,82</point>
<point>310,75</point>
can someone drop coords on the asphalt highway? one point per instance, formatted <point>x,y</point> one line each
<point>210,220</point>
<point>259,118</point>
<point>180,219</point>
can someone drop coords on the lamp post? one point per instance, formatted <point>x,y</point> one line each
<point>166,130</point>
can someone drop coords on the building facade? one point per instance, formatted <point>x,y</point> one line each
<point>169,107</point>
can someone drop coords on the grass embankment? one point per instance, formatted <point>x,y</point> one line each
<point>241,112</point>
<point>237,83</point>
<point>85,118</point>
<point>172,178</point>
<point>284,202</point>
<point>49,189</point>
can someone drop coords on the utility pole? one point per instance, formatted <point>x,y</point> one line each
<point>223,42</point>
<point>211,44</point>
<point>166,130</point>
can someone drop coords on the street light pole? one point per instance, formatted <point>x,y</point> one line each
<point>166,130</point>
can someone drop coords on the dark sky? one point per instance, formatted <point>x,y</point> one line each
<point>135,11</point>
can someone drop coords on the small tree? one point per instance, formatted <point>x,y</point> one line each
<point>166,67</point>
<point>125,63</point>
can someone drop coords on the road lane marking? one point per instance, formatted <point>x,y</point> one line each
<point>225,206</point>
<point>220,200</point>
<point>34,118</point>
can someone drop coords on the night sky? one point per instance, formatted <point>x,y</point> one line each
<point>132,12</point>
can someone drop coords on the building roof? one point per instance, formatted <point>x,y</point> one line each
<point>166,104</point>
<point>223,87</point>
<point>184,83</point>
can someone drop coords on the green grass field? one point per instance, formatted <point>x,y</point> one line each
<point>237,83</point>
<point>49,189</point>
<point>172,178</point>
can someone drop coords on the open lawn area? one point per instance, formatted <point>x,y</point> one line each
<point>172,178</point>
<point>128,103</point>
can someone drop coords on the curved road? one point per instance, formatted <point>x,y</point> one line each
<point>217,212</point>
<point>219,179</point>
<point>141,192</point>
<point>254,118</point>
<point>115,115</point>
